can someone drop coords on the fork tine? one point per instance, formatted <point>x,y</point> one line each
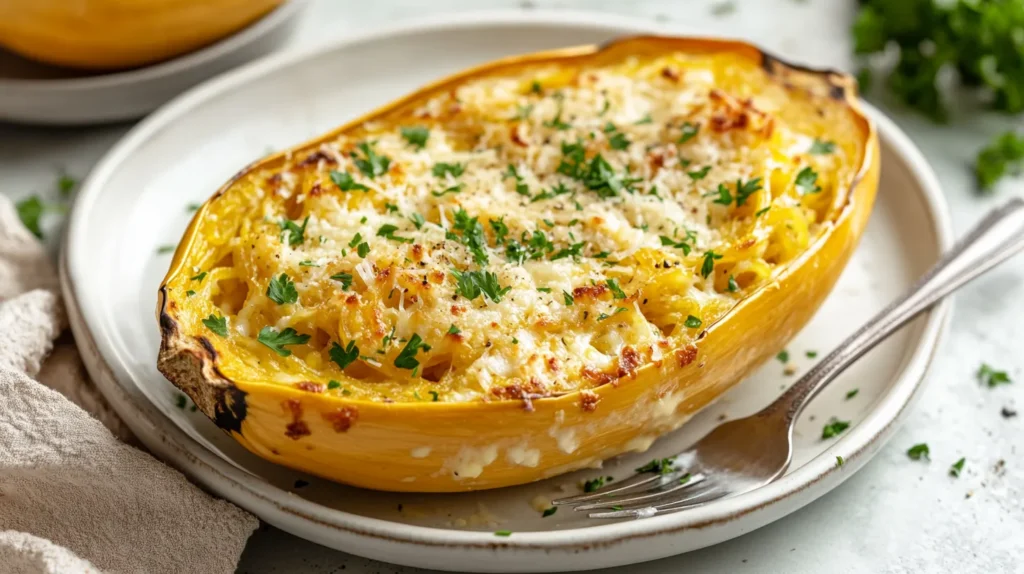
<point>629,483</point>
<point>705,496</point>
<point>663,490</point>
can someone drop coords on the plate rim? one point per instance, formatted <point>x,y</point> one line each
<point>183,62</point>
<point>252,493</point>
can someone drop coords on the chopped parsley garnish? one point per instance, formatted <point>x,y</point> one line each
<point>684,244</point>
<point>164,249</point>
<point>294,232</point>
<point>692,322</point>
<point>332,384</point>
<point>190,293</point>
<point>992,378</point>
<point>499,228</point>
<point>416,136</point>
<point>699,174</point>
<point>732,287</point>
<point>356,239</point>
<point>555,191</point>
<point>596,483</point>
<point>617,292</point>
<point>344,356</point>
<point>919,451</point>
<point>276,341</point>
<point>344,278</point>
<point>569,300</point>
<point>192,207</point>
<point>685,478</point>
<point>616,139</point>
<point>549,511</point>
<point>503,533</point>
<point>708,267</point>
<point>453,330</point>
<point>387,231</point>
<point>281,290</point>
<point>574,251</point>
<point>407,356</point>
<point>472,284</point>
<point>644,120</point>
<point>371,164</point>
<point>723,193</point>
<point>689,131</point>
<point>851,393</point>
<point>812,354</point>
<point>468,231</point>
<point>745,190</point>
<point>455,169</point>
<point>345,181</point>
<point>762,211</point>
<point>523,112</point>
<point>535,87</point>
<point>604,316</point>
<point>217,324</point>
<point>544,289</point>
<point>658,465</point>
<point>181,401</point>
<point>556,122</point>
<point>783,356</point>
<point>434,396</point>
<point>806,181</point>
<point>597,176</point>
<point>821,147</point>
<point>521,187</point>
<point>453,189</point>
<point>840,461</point>
<point>957,467</point>
<point>199,277</point>
<point>833,428</point>
<point>363,249</point>
<point>308,263</point>
<point>417,220</point>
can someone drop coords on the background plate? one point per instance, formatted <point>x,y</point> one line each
<point>185,151</point>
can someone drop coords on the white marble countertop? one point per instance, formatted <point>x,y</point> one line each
<point>895,515</point>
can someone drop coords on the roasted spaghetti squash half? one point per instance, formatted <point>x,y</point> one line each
<point>523,269</point>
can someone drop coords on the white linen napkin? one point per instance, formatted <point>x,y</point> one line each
<point>73,497</point>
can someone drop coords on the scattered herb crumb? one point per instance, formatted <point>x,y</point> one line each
<point>992,378</point>
<point>851,393</point>
<point>957,467</point>
<point>549,511</point>
<point>834,428</point>
<point>503,533</point>
<point>919,451</point>
<point>839,461</point>
<point>783,356</point>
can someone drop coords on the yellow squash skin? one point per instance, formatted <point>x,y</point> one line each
<point>111,34</point>
<point>461,446</point>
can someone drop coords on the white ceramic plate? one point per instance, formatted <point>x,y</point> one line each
<point>135,200</point>
<point>37,93</point>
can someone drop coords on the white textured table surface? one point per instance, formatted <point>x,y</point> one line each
<point>896,515</point>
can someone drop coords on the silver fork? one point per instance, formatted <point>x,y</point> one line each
<point>744,454</point>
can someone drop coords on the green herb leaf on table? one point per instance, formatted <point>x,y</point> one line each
<point>919,451</point>
<point>991,377</point>
<point>957,467</point>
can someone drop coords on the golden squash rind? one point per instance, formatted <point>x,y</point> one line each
<point>444,447</point>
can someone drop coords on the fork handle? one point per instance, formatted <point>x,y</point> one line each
<point>997,237</point>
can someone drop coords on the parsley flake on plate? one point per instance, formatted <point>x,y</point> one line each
<point>834,428</point>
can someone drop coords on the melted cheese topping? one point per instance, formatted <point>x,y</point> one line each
<point>527,233</point>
